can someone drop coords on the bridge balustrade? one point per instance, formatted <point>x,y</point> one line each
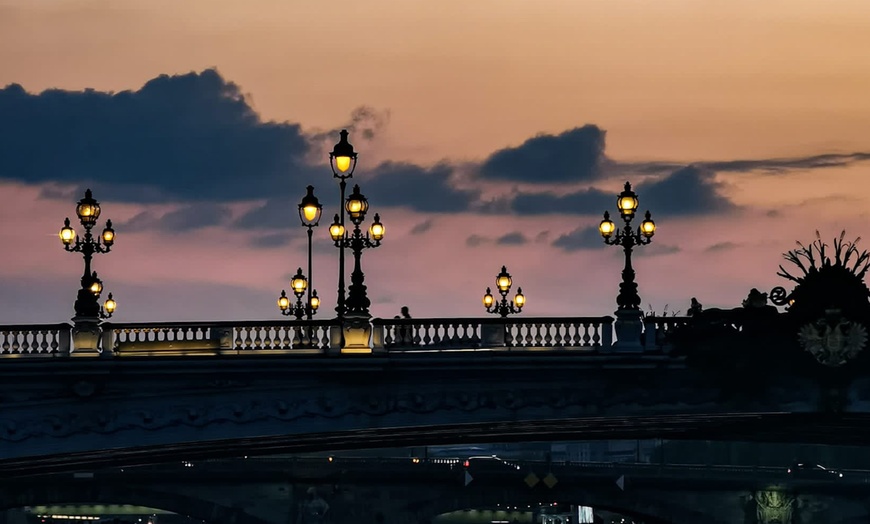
<point>657,331</point>
<point>399,335</point>
<point>412,334</point>
<point>35,340</point>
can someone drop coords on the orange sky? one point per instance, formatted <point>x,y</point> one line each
<point>676,80</point>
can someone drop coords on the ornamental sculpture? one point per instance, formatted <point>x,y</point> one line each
<point>833,341</point>
<point>774,507</point>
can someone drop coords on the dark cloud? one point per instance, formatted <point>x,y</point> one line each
<point>189,137</point>
<point>657,249</point>
<point>586,237</point>
<point>365,122</point>
<point>574,155</point>
<point>187,218</point>
<point>543,236</point>
<point>721,246</point>
<point>512,239</point>
<point>687,191</point>
<point>770,165</point>
<point>584,202</point>
<point>419,188</point>
<point>422,227</point>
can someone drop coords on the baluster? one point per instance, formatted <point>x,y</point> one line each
<point>15,344</point>
<point>427,339</point>
<point>297,338</point>
<point>596,334</point>
<point>538,338</point>
<point>437,336</point>
<point>389,335</point>
<point>43,343</point>
<point>586,337</point>
<point>265,336</point>
<point>54,341</point>
<point>239,342</point>
<point>324,337</point>
<point>5,344</point>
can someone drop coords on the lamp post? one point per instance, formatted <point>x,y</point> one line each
<point>342,160</point>
<point>309,213</point>
<point>628,324</point>
<point>88,211</point>
<point>298,285</point>
<point>357,303</point>
<point>504,308</point>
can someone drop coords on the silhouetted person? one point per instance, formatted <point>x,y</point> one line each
<point>694,308</point>
<point>406,332</point>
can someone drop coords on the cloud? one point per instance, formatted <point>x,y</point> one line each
<point>475,240</point>
<point>365,121</point>
<point>686,191</point>
<point>721,246</point>
<point>185,137</point>
<point>186,218</point>
<point>426,189</point>
<point>571,156</point>
<point>586,237</point>
<point>422,227</point>
<point>584,202</point>
<point>512,239</point>
<point>271,240</point>
<point>770,165</point>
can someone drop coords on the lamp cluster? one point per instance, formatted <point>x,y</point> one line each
<point>88,211</point>
<point>627,203</point>
<point>298,285</point>
<point>503,308</point>
<point>342,161</point>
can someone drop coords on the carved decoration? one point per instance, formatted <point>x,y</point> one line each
<point>774,507</point>
<point>238,411</point>
<point>833,343</point>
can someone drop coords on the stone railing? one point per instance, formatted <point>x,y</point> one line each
<point>35,340</point>
<point>412,334</point>
<point>323,336</point>
<point>214,338</point>
<point>657,330</point>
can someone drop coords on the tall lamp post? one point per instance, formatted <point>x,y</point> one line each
<point>88,211</point>
<point>309,213</point>
<point>342,160</point>
<point>356,206</point>
<point>504,307</point>
<point>629,323</point>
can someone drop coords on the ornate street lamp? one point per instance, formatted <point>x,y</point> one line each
<point>88,211</point>
<point>298,285</point>
<point>309,213</point>
<point>504,307</point>
<point>356,206</point>
<point>342,160</point>
<point>628,298</point>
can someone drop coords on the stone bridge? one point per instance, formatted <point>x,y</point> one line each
<point>248,491</point>
<point>157,392</point>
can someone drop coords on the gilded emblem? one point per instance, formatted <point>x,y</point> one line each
<point>833,344</point>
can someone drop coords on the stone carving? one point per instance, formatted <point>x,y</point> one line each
<point>313,510</point>
<point>580,403</point>
<point>774,507</point>
<point>833,341</point>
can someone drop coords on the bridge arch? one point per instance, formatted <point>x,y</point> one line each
<point>79,492</point>
<point>635,503</point>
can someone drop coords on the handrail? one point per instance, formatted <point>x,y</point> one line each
<point>516,332</point>
<point>31,340</point>
<point>282,336</point>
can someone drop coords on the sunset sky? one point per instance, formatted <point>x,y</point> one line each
<point>490,133</point>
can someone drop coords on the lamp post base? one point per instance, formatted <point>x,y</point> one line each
<point>86,334</point>
<point>357,330</point>
<point>629,331</point>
